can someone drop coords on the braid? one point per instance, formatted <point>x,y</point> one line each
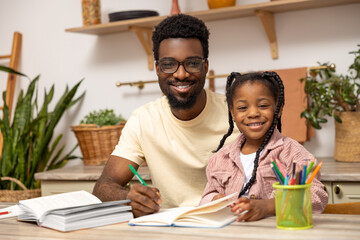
<point>281,97</point>
<point>229,82</point>
<point>276,122</point>
<point>256,161</point>
<point>226,135</point>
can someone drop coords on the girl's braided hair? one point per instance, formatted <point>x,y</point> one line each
<point>276,87</point>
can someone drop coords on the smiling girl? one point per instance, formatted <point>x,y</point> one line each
<point>255,102</point>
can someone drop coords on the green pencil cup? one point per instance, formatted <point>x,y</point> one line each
<point>293,206</point>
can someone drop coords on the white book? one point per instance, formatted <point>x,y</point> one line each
<point>215,214</point>
<point>73,211</point>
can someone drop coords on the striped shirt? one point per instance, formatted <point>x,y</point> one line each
<point>225,173</point>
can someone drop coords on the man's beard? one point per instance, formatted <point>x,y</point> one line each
<point>178,104</point>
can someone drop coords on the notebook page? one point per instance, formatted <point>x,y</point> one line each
<point>164,218</point>
<point>40,205</point>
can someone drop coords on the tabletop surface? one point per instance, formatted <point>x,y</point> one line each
<point>331,170</point>
<point>326,226</point>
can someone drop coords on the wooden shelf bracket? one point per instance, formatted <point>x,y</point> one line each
<point>144,35</point>
<point>267,19</point>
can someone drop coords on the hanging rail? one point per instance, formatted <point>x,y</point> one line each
<point>211,76</point>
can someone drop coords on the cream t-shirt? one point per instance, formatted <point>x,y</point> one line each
<point>176,152</point>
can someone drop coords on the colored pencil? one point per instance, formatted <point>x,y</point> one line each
<point>294,170</point>
<point>309,169</point>
<point>286,180</point>
<point>278,171</point>
<point>292,182</point>
<point>276,174</point>
<point>304,175</point>
<point>3,213</point>
<point>278,163</point>
<point>317,169</point>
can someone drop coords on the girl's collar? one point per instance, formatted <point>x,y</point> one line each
<point>276,140</point>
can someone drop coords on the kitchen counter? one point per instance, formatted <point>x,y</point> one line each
<point>78,171</point>
<point>331,170</point>
<point>341,179</point>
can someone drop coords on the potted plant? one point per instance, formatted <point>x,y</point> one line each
<point>29,145</point>
<point>98,133</point>
<point>337,96</point>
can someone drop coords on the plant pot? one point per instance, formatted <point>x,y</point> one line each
<point>14,196</point>
<point>347,137</point>
<point>97,143</point>
<point>221,3</point>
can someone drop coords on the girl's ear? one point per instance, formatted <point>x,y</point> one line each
<point>232,112</point>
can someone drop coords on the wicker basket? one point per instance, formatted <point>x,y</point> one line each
<point>97,143</point>
<point>17,195</point>
<point>347,137</point>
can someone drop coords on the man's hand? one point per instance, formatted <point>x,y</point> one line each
<point>256,209</point>
<point>144,200</point>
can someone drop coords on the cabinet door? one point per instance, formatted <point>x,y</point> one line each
<point>328,189</point>
<point>346,192</point>
<point>49,187</point>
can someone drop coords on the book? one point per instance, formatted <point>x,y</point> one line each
<point>72,211</point>
<point>215,214</point>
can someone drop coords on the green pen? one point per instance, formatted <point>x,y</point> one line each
<point>137,175</point>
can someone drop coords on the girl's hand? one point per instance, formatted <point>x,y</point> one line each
<point>220,195</point>
<point>256,209</point>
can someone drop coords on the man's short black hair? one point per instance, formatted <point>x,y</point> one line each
<point>181,26</point>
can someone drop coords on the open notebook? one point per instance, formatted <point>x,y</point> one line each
<point>215,214</point>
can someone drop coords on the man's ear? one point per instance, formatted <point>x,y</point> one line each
<point>157,68</point>
<point>206,66</point>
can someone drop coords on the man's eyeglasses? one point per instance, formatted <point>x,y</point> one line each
<point>191,65</point>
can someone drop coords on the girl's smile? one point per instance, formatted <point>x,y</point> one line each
<point>255,126</point>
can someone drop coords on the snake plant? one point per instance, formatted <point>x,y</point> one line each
<point>29,145</point>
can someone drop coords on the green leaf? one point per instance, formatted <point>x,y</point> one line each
<point>102,117</point>
<point>64,159</point>
<point>322,120</point>
<point>337,118</point>
<point>10,70</point>
<point>54,117</point>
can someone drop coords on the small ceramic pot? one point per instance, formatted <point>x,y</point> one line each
<point>221,3</point>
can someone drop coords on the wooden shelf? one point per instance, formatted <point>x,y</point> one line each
<point>264,11</point>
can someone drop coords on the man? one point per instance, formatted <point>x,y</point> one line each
<point>175,134</point>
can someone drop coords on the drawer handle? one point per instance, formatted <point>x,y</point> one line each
<point>353,196</point>
<point>337,189</point>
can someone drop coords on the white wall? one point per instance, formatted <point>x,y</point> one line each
<point>304,38</point>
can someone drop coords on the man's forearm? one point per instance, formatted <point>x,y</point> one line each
<point>107,190</point>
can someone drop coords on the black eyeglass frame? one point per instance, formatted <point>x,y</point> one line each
<point>203,60</point>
